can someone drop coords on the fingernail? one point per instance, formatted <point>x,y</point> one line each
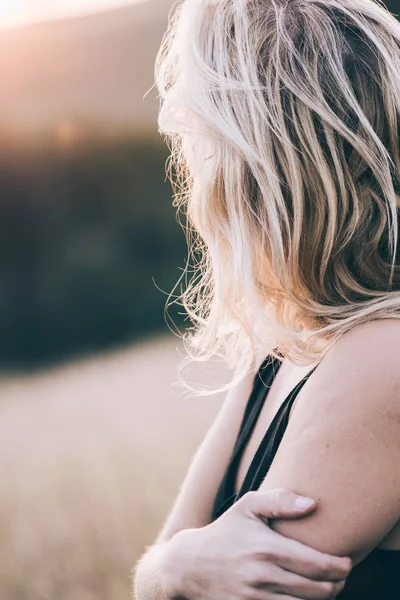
<point>349,562</point>
<point>303,502</point>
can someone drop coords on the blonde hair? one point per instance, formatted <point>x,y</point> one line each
<point>283,118</point>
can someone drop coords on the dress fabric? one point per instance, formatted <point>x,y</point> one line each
<point>377,577</point>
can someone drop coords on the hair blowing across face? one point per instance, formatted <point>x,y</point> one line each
<point>283,118</point>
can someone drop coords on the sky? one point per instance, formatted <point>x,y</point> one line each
<point>21,12</point>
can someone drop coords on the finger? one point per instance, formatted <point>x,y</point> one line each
<point>276,504</point>
<point>279,581</point>
<point>267,595</point>
<point>298,558</point>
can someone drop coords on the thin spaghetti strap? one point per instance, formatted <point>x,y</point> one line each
<point>261,385</point>
<point>262,382</point>
<point>263,458</point>
<point>269,445</point>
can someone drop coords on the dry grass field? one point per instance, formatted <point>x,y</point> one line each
<point>91,458</point>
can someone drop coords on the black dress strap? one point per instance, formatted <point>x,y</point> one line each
<point>269,445</point>
<point>265,454</point>
<point>377,576</point>
<point>261,384</point>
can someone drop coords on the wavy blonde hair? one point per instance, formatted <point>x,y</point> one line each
<point>283,118</point>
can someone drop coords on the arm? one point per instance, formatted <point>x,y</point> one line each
<point>147,574</point>
<point>342,445</point>
<point>193,506</point>
<point>237,553</point>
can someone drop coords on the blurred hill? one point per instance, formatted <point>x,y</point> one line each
<point>88,239</point>
<point>87,72</point>
<point>90,71</point>
<point>88,233</point>
<point>87,228</point>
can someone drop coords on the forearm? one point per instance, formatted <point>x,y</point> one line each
<point>148,581</point>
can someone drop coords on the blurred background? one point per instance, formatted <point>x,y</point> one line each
<point>94,436</point>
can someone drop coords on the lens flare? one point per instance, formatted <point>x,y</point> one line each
<point>12,13</point>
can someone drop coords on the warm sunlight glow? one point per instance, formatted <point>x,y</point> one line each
<point>12,12</point>
<point>22,12</point>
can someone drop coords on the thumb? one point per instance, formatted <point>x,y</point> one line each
<point>279,503</point>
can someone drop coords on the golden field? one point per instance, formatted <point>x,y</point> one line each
<point>91,457</point>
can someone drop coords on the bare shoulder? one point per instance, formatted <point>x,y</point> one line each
<point>361,367</point>
<point>375,344</point>
<point>342,445</point>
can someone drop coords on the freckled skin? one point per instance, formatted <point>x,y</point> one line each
<point>343,433</point>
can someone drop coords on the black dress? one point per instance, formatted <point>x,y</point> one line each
<point>377,577</point>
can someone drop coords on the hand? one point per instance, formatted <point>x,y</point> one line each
<point>238,557</point>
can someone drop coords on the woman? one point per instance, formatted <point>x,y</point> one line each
<point>285,119</point>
